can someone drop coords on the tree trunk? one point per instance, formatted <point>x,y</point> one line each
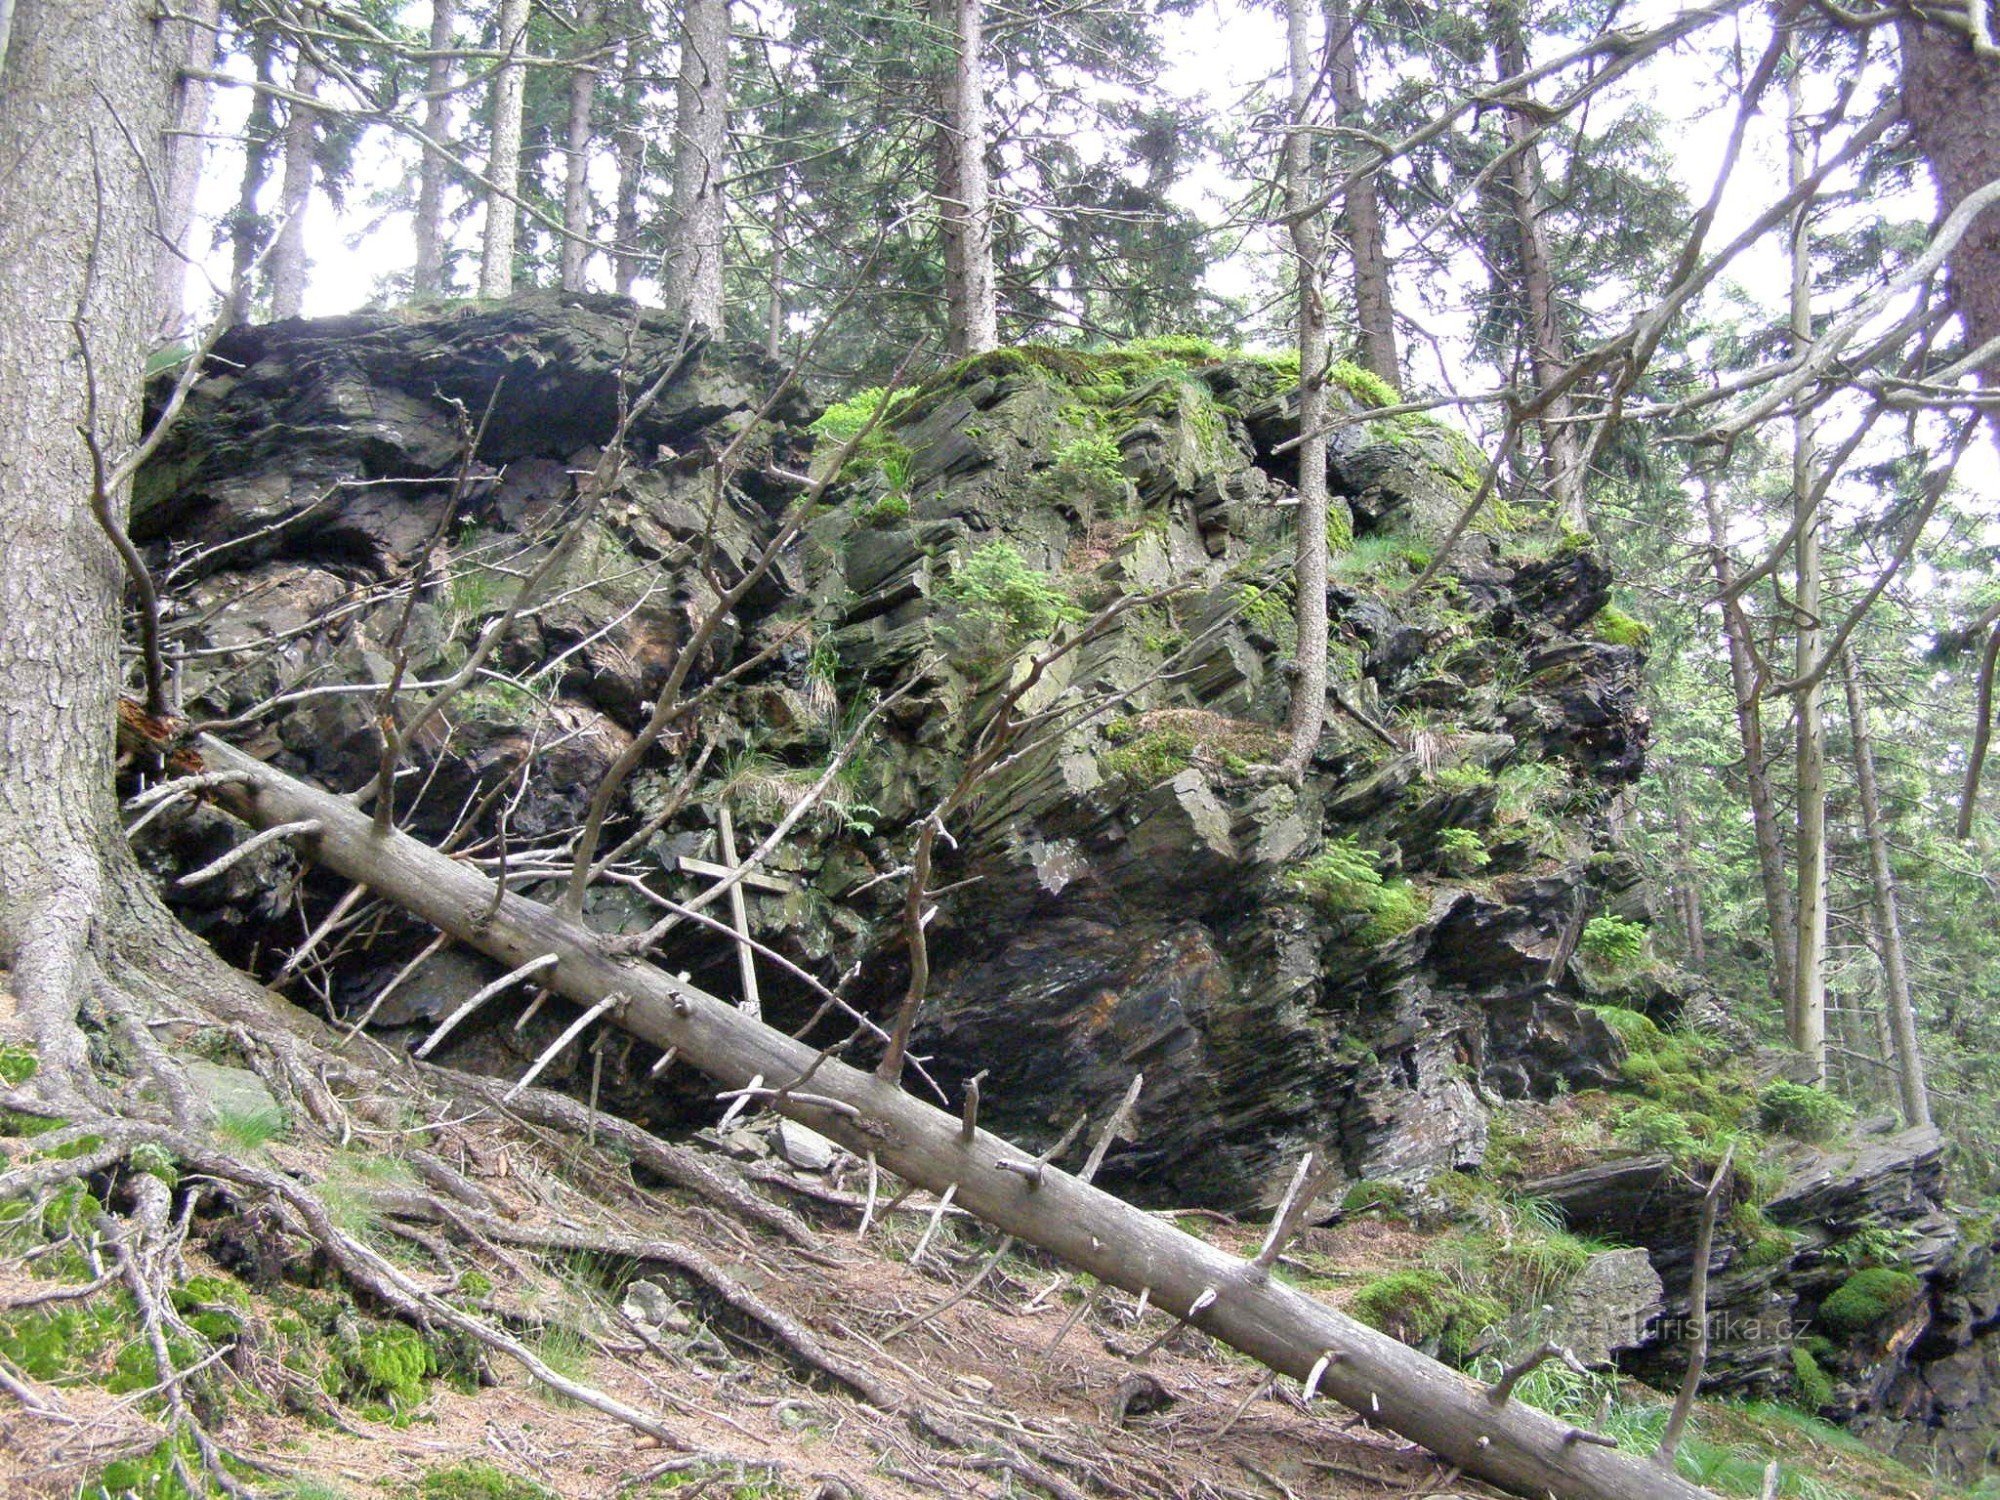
<point>1808,1009</point>
<point>503,158</point>
<point>427,280</point>
<point>701,146</point>
<point>1951,97</point>
<point>965,198</point>
<point>194,40</point>
<point>246,227</point>
<point>631,167</point>
<point>1361,211</point>
<point>1692,927</point>
<point>1779,916</point>
<point>288,258</point>
<point>1902,1014</point>
<point>1391,1384</point>
<point>576,153</point>
<point>774,306</point>
<point>78,73</point>
<point>1548,347</point>
<point>1307,717</point>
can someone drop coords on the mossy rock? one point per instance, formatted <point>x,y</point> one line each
<point>1867,1299</point>
<point>1427,1309</point>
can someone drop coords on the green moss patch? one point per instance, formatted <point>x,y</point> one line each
<point>1867,1299</point>
<point>1427,1309</point>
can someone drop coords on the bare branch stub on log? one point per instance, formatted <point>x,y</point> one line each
<point>1513,1445</point>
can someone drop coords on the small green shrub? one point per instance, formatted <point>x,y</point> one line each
<point>1801,1111</point>
<point>1462,851</point>
<point>1616,628</point>
<point>1094,458</point>
<point>1653,1127</point>
<point>1342,879</point>
<point>1613,943</point>
<point>996,581</point>
<point>1814,1385</point>
<point>843,419</point>
<point>1866,1298</point>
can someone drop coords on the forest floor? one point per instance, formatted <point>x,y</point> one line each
<point>750,1349</point>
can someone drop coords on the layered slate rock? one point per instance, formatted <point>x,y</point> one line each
<point>1126,897</point>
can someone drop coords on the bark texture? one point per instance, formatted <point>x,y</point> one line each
<point>428,278</point>
<point>503,159</point>
<point>965,196</point>
<point>1951,98</point>
<point>1231,1299</point>
<point>68,249</point>
<point>1307,717</point>
<point>701,148</point>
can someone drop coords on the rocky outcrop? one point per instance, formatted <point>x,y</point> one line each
<point>1371,962</point>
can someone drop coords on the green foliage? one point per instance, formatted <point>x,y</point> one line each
<point>890,510</point>
<point>1814,1385</point>
<point>996,582</point>
<point>151,1475</point>
<point>1342,880</point>
<point>1613,943</point>
<point>843,419</point>
<point>1452,780</point>
<point>1616,628</point>
<point>1462,852</point>
<point>1867,1298</point>
<point>1801,1111</point>
<point>1760,1242</point>
<point>1427,1309</point>
<point>1528,789</point>
<point>1093,458</point>
<point>17,1065</point>
<point>1651,1127</point>
<point>478,1480</point>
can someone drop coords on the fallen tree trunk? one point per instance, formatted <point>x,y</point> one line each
<point>1231,1299</point>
